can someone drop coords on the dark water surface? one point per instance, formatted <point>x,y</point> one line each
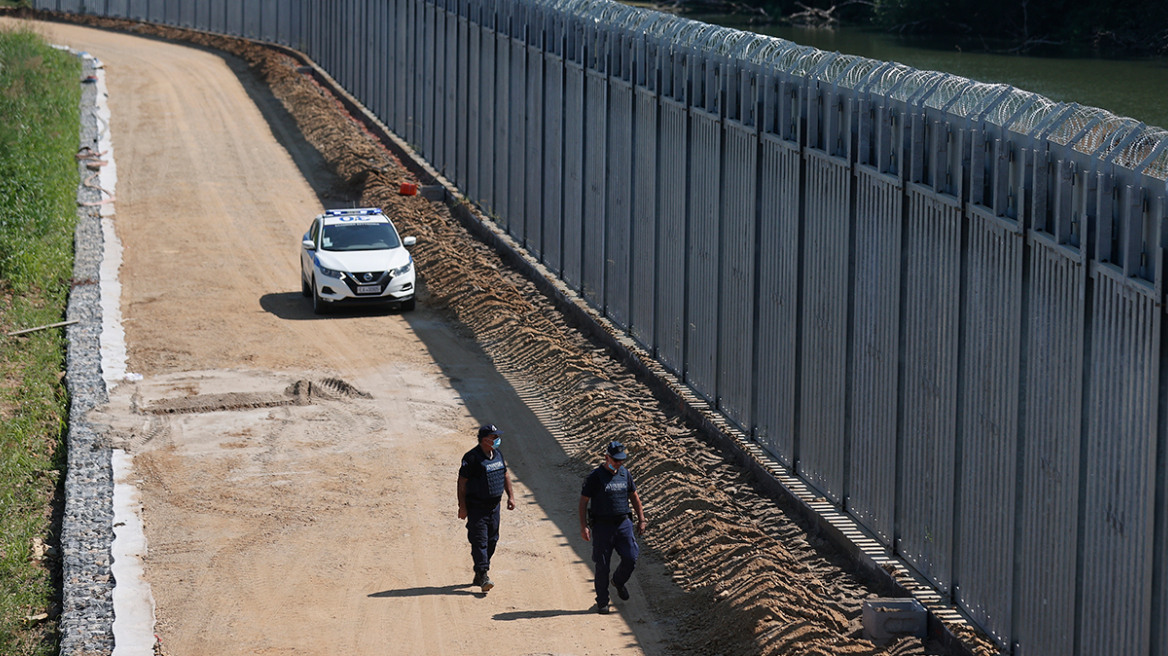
<point>1132,88</point>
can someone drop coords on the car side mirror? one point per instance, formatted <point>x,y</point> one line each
<point>308,244</point>
<point>409,241</point>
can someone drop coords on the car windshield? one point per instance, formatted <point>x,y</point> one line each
<point>359,237</point>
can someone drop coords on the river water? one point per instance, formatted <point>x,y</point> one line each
<point>1132,88</point>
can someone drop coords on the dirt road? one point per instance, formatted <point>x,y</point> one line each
<point>298,473</point>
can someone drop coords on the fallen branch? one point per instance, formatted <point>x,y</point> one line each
<point>51,325</point>
<point>713,7</point>
<point>812,16</point>
<point>817,17</point>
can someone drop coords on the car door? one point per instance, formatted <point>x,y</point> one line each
<point>307,254</point>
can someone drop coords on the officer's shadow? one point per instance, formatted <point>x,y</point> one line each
<point>540,614</point>
<point>468,589</point>
<point>459,589</point>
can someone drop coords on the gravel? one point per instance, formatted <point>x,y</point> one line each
<point>87,613</point>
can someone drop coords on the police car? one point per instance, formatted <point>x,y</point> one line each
<point>353,257</point>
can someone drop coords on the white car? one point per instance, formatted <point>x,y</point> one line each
<point>355,257</point>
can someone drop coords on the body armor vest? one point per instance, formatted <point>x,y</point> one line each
<point>614,501</point>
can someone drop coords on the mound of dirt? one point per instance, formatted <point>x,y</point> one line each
<point>759,581</point>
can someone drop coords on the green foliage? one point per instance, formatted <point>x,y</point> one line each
<point>39,119</point>
<point>1135,26</point>
<point>31,458</point>
<point>39,97</point>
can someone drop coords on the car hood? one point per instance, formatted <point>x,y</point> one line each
<point>358,261</point>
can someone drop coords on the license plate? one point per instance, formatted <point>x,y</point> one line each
<point>369,289</point>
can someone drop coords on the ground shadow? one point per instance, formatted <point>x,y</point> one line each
<point>459,589</point>
<point>292,306</point>
<point>540,614</point>
<point>319,174</point>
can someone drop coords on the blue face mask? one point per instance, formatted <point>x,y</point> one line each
<point>497,442</point>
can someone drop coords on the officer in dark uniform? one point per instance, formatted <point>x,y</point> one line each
<point>608,523</point>
<point>482,480</point>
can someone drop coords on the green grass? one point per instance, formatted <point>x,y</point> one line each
<point>39,96</point>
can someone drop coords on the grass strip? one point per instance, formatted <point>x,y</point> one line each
<point>39,128</point>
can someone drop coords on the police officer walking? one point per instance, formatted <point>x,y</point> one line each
<point>611,490</point>
<point>482,480</point>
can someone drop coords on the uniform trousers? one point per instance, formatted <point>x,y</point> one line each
<point>482,531</point>
<point>607,538</point>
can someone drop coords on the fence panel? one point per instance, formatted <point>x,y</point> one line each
<point>476,106</point>
<point>671,243</point>
<point>413,84</point>
<point>170,12</point>
<point>428,72</point>
<point>517,146</point>
<point>461,110</point>
<point>988,411</point>
<point>778,297</point>
<point>643,270</point>
<point>575,147</point>
<point>120,8</point>
<point>876,351</point>
<point>554,183</point>
<point>929,347</point>
<point>592,253</point>
<point>1049,472</point>
<point>1158,215</point>
<point>356,54</point>
<point>534,161</point>
<point>250,19</point>
<point>382,102</point>
<point>269,14</point>
<point>448,113</point>
<point>618,217</point>
<point>286,22</point>
<point>738,238</point>
<point>499,166</point>
<point>1120,462</point>
<point>702,246</point>
<point>824,327</point>
<point>312,28</point>
<point>467,49</point>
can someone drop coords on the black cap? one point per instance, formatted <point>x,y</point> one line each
<point>616,451</point>
<point>489,429</point>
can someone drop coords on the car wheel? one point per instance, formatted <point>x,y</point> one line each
<point>305,290</point>
<point>319,306</point>
<point>408,306</point>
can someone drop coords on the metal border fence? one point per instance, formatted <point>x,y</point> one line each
<point>938,301</point>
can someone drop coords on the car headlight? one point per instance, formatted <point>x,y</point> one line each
<point>402,270</point>
<point>331,273</point>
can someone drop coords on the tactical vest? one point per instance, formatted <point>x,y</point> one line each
<point>614,500</point>
<point>486,489</point>
<point>495,470</point>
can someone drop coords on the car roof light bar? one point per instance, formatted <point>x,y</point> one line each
<point>366,211</point>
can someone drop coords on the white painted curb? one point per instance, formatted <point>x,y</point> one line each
<point>133,626</point>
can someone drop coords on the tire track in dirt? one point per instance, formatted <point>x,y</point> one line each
<point>759,582</point>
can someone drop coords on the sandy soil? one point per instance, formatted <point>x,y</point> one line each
<point>298,473</point>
